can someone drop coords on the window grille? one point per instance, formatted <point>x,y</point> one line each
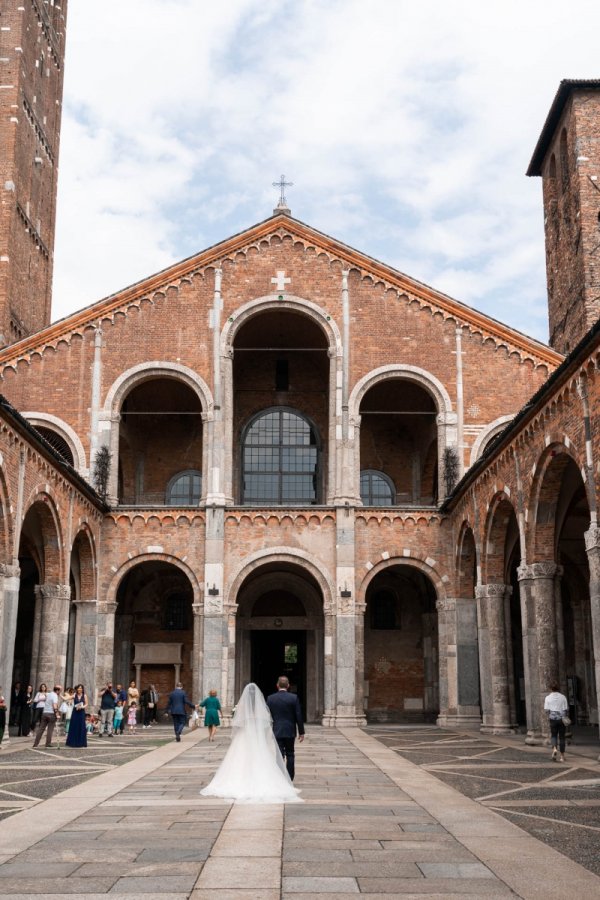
<point>376,489</point>
<point>185,489</point>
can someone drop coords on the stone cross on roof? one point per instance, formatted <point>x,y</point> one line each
<point>282,206</point>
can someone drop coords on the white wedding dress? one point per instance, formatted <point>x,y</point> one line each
<point>252,770</point>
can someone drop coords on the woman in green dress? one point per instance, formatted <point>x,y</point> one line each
<point>212,708</point>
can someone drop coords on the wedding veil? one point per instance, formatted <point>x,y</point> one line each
<point>251,711</point>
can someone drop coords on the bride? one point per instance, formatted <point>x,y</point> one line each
<point>252,769</point>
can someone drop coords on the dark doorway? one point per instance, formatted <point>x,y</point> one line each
<point>276,653</point>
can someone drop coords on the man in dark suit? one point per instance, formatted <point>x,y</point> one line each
<point>287,716</point>
<point>178,700</point>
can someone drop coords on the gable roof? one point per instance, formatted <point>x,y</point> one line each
<point>280,223</point>
<point>565,89</point>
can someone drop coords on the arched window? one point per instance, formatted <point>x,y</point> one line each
<point>376,489</point>
<point>185,489</point>
<point>280,459</point>
<point>57,442</point>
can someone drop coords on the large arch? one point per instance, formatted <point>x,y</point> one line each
<point>66,432</point>
<point>398,370</point>
<point>155,640</point>
<point>558,459</point>
<point>401,653</point>
<point>111,593</point>
<point>294,334</point>
<point>486,434</point>
<point>146,458</point>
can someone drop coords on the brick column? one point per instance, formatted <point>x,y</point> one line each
<point>52,614</point>
<point>9,605</point>
<point>493,657</point>
<point>459,662</point>
<point>592,547</point>
<point>540,646</point>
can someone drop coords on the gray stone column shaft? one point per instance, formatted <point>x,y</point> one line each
<point>105,644</point>
<point>329,673</point>
<point>53,633</point>
<point>9,606</point>
<point>84,667</point>
<point>540,648</point>
<point>496,710</point>
<point>592,546</point>
<point>197,651</point>
<point>458,661</point>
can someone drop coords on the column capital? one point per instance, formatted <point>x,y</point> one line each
<point>495,589</point>
<point>91,601</point>
<point>51,591</point>
<point>106,607</point>
<point>544,569</point>
<point>448,604</point>
<point>7,571</point>
<point>198,609</point>
<point>592,538</point>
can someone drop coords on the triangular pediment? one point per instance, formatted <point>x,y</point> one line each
<point>283,225</point>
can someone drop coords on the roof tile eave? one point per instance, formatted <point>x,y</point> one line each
<point>204,258</point>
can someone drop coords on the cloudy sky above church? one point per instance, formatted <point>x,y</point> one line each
<point>406,129</point>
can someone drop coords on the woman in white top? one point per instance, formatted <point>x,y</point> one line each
<point>38,703</point>
<point>557,706</point>
<point>253,770</point>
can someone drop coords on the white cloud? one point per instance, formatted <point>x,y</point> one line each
<point>406,130</point>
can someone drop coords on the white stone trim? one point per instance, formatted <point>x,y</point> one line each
<point>486,433</point>
<point>66,432</point>
<point>408,373</point>
<point>157,369</point>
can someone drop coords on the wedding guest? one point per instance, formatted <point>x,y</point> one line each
<point>66,708</point>
<point>26,713</point>
<point>153,705</point>
<point>16,703</point>
<point>557,707</point>
<point>108,701</point>
<point>77,736</point>
<point>212,708</point>
<point>2,716</point>
<point>49,716</point>
<point>118,718</point>
<point>132,716</point>
<point>39,702</point>
<point>133,695</point>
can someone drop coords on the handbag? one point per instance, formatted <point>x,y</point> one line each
<point>566,720</point>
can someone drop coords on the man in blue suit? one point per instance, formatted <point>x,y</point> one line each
<point>287,716</point>
<point>178,700</point>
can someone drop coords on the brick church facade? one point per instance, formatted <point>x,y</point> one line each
<point>317,465</point>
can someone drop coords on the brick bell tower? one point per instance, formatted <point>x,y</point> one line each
<point>567,156</point>
<point>32,49</point>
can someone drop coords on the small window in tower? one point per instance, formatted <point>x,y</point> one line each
<point>282,375</point>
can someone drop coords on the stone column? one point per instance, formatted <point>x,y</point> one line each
<point>459,662</point>
<point>84,664</point>
<point>9,605</point>
<point>215,642</point>
<point>105,644</point>
<point>540,648</point>
<point>494,658</point>
<point>329,668</point>
<point>197,651</point>
<point>359,618</point>
<point>52,613</point>
<point>592,547</point>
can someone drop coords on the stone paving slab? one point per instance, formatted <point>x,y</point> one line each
<point>397,831</point>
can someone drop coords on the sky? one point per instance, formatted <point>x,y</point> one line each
<point>406,129</point>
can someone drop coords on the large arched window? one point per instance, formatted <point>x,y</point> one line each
<point>376,489</point>
<point>185,489</point>
<point>280,459</point>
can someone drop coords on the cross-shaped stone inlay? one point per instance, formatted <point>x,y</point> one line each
<point>280,280</point>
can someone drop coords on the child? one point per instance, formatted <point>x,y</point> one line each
<point>118,718</point>
<point>89,725</point>
<point>132,717</point>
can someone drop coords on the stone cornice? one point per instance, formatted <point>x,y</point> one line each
<point>282,226</point>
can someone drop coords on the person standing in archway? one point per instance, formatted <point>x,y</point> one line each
<point>287,717</point>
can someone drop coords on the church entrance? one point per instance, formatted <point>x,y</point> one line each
<point>279,631</point>
<point>276,653</point>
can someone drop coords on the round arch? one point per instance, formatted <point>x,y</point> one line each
<point>292,304</point>
<point>500,513</point>
<point>66,432</point>
<point>408,373</point>
<point>85,545</point>
<point>545,491</point>
<point>289,555</point>
<point>489,431</point>
<point>111,594</point>
<point>410,561</point>
<point>157,369</point>
<point>6,518</point>
<point>467,561</point>
<point>45,506</point>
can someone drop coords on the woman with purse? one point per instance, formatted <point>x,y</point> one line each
<point>557,707</point>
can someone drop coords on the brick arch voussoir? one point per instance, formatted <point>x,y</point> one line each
<point>128,565</point>
<point>292,304</point>
<point>493,562</point>
<point>400,371</point>
<point>146,371</point>
<point>47,508</point>
<point>545,492</point>
<point>85,544</point>
<point>7,524</point>
<point>289,555</point>
<point>438,581</point>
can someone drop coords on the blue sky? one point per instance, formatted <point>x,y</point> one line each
<point>406,130</point>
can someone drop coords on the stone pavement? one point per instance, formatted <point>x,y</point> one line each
<point>373,823</point>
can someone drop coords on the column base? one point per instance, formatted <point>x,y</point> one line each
<point>498,729</point>
<point>343,720</point>
<point>453,719</point>
<point>536,738</point>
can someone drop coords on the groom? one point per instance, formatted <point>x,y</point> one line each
<point>287,715</point>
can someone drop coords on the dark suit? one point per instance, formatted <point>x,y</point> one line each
<point>178,700</point>
<point>287,717</point>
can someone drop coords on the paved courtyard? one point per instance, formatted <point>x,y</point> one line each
<point>375,821</point>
